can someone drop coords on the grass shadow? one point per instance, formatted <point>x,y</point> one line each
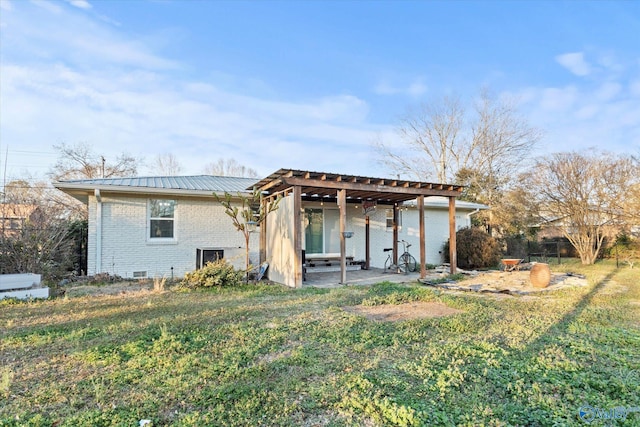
<point>561,326</point>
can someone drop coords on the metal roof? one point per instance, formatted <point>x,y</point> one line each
<point>197,182</point>
<point>198,185</point>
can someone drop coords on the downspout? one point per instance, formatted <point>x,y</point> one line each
<point>98,231</point>
<point>472,213</point>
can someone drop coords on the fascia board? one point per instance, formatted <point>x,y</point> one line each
<point>122,189</point>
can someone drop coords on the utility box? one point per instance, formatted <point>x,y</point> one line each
<point>205,255</point>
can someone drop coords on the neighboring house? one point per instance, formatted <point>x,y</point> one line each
<point>163,226</point>
<point>14,216</point>
<point>559,226</point>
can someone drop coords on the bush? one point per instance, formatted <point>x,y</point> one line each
<point>217,273</point>
<point>474,249</point>
<point>626,249</point>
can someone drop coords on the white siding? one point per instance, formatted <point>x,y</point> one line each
<point>201,222</point>
<point>126,247</point>
<point>381,237</point>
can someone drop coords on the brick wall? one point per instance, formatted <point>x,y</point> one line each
<point>126,247</point>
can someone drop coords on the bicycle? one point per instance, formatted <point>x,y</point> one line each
<point>406,262</point>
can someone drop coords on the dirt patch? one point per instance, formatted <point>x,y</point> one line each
<point>514,283</point>
<point>399,312</point>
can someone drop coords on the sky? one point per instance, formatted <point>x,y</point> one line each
<point>303,84</point>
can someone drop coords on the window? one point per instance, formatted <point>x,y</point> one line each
<point>389,215</point>
<point>162,219</point>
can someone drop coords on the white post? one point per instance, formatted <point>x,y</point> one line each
<point>98,231</point>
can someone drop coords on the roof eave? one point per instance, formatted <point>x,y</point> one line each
<point>79,190</point>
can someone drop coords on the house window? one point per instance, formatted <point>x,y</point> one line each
<point>389,213</point>
<point>162,219</point>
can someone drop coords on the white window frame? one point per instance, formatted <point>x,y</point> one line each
<point>162,240</point>
<point>389,219</point>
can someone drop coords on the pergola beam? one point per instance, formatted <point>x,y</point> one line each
<point>377,188</point>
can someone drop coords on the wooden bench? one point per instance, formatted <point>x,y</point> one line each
<point>327,261</point>
<point>323,264</point>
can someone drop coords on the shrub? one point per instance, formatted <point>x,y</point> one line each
<point>217,273</point>
<point>626,249</point>
<point>474,249</point>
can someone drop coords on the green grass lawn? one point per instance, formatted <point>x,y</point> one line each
<point>265,355</point>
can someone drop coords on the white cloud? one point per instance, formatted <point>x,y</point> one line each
<point>415,89</point>
<point>579,116</point>
<point>47,5</point>
<point>82,4</point>
<point>558,99</point>
<point>50,31</point>
<point>5,5</point>
<point>575,63</point>
<point>122,97</point>
<point>634,88</point>
<point>608,91</point>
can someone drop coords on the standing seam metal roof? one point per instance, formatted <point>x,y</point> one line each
<point>196,183</point>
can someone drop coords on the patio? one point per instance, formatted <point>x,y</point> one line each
<point>331,279</point>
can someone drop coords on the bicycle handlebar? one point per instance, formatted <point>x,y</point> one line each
<point>404,242</point>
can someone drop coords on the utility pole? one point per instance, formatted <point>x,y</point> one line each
<point>103,161</point>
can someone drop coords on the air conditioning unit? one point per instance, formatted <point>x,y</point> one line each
<point>205,255</point>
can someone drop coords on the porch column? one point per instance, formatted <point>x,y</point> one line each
<point>98,267</point>
<point>263,233</point>
<point>423,250</point>
<point>297,236</point>
<point>342,204</point>
<point>367,243</point>
<point>395,233</point>
<point>452,235</point>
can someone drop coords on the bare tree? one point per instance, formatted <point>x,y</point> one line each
<point>250,212</point>
<point>166,164</point>
<point>441,139</point>
<point>78,161</point>
<point>632,199</point>
<point>35,233</point>
<point>481,149</point>
<point>430,137</point>
<point>229,167</point>
<point>583,196</point>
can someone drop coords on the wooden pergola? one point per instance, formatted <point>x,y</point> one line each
<point>345,189</point>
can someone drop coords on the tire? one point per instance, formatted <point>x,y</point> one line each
<point>407,263</point>
<point>387,265</point>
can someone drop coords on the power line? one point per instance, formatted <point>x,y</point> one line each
<point>34,153</point>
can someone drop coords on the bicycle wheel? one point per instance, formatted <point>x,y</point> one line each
<point>388,264</point>
<point>407,263</point>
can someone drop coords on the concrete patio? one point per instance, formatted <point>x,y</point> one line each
<point>331,279</point>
